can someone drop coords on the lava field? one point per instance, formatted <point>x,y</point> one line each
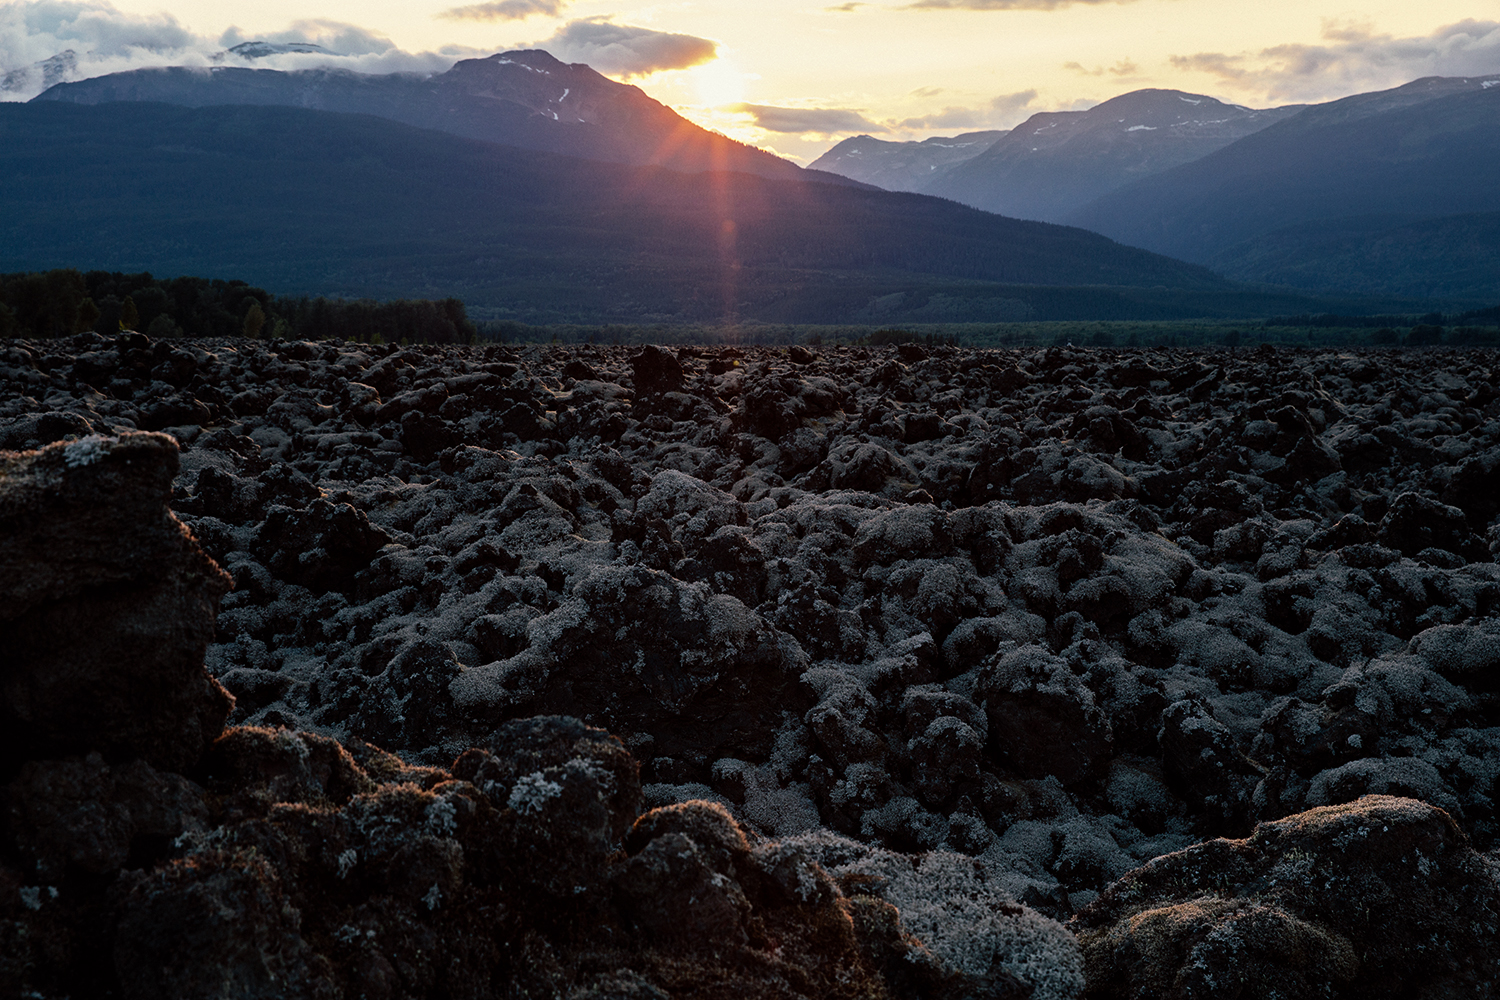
<point>1047,671</point>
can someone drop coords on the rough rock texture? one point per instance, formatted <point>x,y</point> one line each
<point>107,604</point>
<point>275,863</point>
<point>1025,620</point>
<point>291,869</point>
<point>1379,897</point>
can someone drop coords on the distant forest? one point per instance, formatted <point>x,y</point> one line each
<point>49,304</point>
<point>59,303</point>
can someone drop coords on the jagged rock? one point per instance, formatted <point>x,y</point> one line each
<point>1043,719</point>
<point>219,924</point>
<point>574,791</point>
<point>1381,897</point>
<point>655,371</point>
<point>253,769</point>
<point>173,411</point>
<point>675,896</point>
<point>767,578</point>
<point>1415,522</point>
<point>726,693</point>
<point>108,606</point>
<point>84,815</point>
<point>322,546</point>
<point>1471,488</point>
<point>39,429</point>
<point>863,466</point>
<point>1203,763</point>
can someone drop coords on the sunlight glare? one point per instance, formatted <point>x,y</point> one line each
<point>718,83</point>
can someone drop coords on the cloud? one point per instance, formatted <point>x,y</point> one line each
<point>802,121</point>
<point>1220,64</point>
<point>505,10</point>
<point>1004,111</point>
<point>846,8</point>
<point>1009,104</point>
<point>1004,4</point>
<point>949,117</point>
<point>1353,58</point>
<point>33,32</point>
<point>625,50</point>
<point>43,42</point>
<point>1124,67</point>
<point>50,41</point>
<point>335,36</point>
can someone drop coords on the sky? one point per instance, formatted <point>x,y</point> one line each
<point>795,77</point>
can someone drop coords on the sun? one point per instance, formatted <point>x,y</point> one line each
<point>717,83</point>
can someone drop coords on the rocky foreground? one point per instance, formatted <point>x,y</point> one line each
<point>639,673</point>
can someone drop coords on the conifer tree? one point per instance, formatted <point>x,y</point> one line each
<point>130,318</point>
<point>88,315</point>
<point>255,319</point>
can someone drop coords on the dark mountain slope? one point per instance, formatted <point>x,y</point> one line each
<point>1055,163</point>
<point>1357,107</point>
<point>1404,153</point>
<point>1449,258</point>
<point>300,200</point>
<point>527,99</point>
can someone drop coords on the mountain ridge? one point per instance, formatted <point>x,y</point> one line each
<point>1389,153</point>
<point>524,98</point>
<point>903,166</point>
<point>1057,161</point>
<point>283,197</point>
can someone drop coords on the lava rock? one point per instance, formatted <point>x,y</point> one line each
<point>108,607</point>
<point>1043,719</point>
<point>322,547</point>
<point>1415,522</point>
<point>1381,897</point>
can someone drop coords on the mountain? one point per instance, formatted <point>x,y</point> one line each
<point>525,98</point>
<point>903,166</point>
<point>47,72</point>
<point>297,200</point>
<point>1056,162</point>
<point>1362,106</point>
<point>1450,258</point>
<point>260,50</point>
<point>1331,178</point>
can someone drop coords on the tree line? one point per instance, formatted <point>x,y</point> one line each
<point>60,303</point>
<point>1467,329</point>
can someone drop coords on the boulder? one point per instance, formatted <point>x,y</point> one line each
<point>1042,719</point>
<point>108,605</point>
<point>1381,897</point>
<point>633,648</point>
<point>321,547</point>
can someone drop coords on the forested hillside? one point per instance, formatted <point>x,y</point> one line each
<point>60,302</point>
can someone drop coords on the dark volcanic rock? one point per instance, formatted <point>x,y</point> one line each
<point>84,815</point>
<point>633,648</point>
<point>575,791</point>
<point>1415,523</point>
<point>220,924</point>
<point>321,546</point>
<point>1382,897</point>
<point>655,372</point>
<point>1043,719</point>
<point>1013,623</point>
<point>108,606</point>
<point>1203,763</point>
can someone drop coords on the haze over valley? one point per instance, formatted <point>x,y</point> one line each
<point>1314,205</point>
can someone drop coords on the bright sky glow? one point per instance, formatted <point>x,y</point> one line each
<point>898,70</point>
